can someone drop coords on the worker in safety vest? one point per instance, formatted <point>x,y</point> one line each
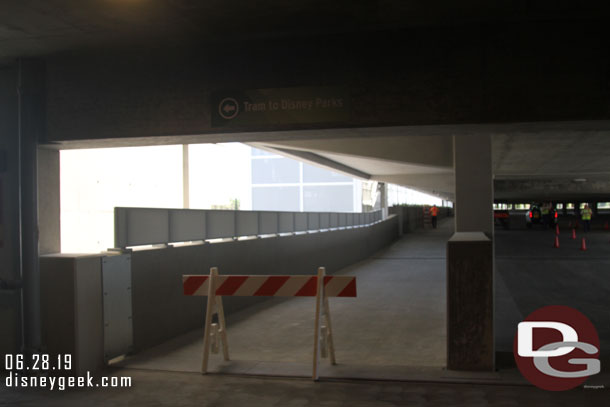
<point>433,215</point>
<point>585,215</point>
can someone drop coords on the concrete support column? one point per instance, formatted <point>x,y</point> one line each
<point>10,276</point>
<point>31,121</point>
<point>48,201</point>
<point>383,187</point>
<point>470,331</point>
<point>186,189</point>
<point>473,184</point>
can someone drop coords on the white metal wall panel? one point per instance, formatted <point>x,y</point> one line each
<point>220,224</point>
<point>142,226</point>
<point>324,220</point>
<point>147,226</point>
<point>120,227</point>
<point>334,220</point>
<point>343,219</point>
<point>300,222</point>
<point>247,223</point>
<point>118,322</point>
<point>269,223</point>
<point>186,225</point>
<point>286,222</point>
<point>313,221</point>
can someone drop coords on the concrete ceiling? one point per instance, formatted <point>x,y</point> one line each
<point>574,155</point>
<point>33,28</point>
<point>420,160</point>
<point>383,167</point>
<point>531,161</point>
<point>569,166</point>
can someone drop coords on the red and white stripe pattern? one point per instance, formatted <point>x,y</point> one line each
<point>270,286</point>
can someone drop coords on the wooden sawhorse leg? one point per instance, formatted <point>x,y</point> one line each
<point>214,306</point>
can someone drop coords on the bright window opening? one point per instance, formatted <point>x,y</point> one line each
<point>203,176</point>
<point>502,206</point>
<point>94,181</point>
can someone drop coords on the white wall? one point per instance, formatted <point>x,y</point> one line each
<point>218,174</point>
<point>94,181</point>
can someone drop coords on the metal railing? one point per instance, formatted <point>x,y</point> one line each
<point>152,226</point>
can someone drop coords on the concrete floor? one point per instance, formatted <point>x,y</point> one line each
<point>396,327</point>
<point>401,293</point>
<point>530,274</point>
<point>394,330</point>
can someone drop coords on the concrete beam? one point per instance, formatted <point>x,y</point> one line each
<point>318,160</point>
<point>552,189</point>
<point>432,151</point>
<point>411,77</point>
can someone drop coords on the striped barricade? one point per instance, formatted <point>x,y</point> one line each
<point>216,286</point>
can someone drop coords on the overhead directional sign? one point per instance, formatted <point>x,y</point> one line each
<point>305,105</point>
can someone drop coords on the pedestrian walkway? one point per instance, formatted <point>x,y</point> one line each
<point>396,328</point>
<point>397,321</point>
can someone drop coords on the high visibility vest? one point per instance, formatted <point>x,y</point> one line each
<point>433,211</point>
<point>586,214</point>
<point>544,211</point>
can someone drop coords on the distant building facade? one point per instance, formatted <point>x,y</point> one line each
<point>284,184</point>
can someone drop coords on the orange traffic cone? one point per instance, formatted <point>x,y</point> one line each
<point>583,245</point>
<point>556,244</point>
<point>574,234</point>
<point>569,224</point>
<point>557,230</point>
